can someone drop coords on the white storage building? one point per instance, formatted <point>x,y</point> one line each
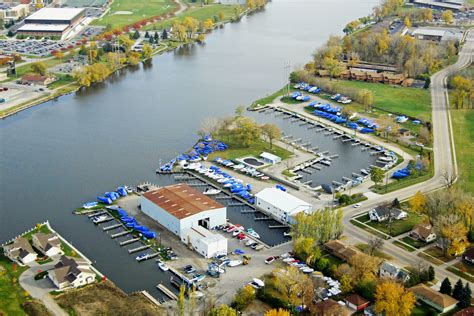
<point>205,242</point>
<point>281,205</point>
<point>270,158</point>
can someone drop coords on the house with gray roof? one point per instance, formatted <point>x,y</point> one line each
<point>383,213</point>
<point>71,273</point>
<point>48,244</point>
<point>20,251</point>
<point>389,270</point>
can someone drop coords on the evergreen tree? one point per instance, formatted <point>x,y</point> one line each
<point>151,40</point>
<point>164,35</point>
<point>157,37</point>
<point>458,290</point>
<point>431,273</point>
<point>136,35</point>
<point>396,203</point>
<point>445,287</point>
<point>147,35</point>
<point>465,297</point>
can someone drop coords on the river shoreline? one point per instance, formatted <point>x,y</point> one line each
<point>38,101</point>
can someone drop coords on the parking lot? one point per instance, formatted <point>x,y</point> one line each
<point>40,48</point>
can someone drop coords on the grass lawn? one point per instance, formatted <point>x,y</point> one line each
<point>423,310</point>
<point>367,228</point>
<point>465,267</point>
<point>25,69</point>
<point>68,251</point>
<point>254,150</point>
<point>437,253</point>
<point>134,11</point>
<point>414,243</point>
<point>403,183</point>
<point>460,274</point>
<point>399,226</point>
<point>269,98</point>
<point>463,132</point>
<point>403,246</point>
<point>377,253</point>
<point>12,295</point>
<point>199,13</point>
<point>62,80</point>
<point>396,99</point>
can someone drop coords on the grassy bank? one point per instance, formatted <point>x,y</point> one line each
<point>126,12</point>
<point>269,98</point>
<point>254,150</point>
<point>463,132</point>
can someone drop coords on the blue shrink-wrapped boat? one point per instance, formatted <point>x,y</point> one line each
<point>104,199</point>
<point>122,191</point>
<point>280,187</point>
<point>149,234</point>
<point>122,212</point>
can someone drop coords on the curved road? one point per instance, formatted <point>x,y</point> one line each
<point>443,156</point>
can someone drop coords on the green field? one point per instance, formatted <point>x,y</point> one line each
<point>398,227</point>
<point>136,11</point>
<point>397,99</point>
<point>254,150</point>
<point>199,13</point>
<point>463,131</point>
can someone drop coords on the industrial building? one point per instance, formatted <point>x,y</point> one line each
<point>270,158</point>
<point>453,5</point>
<point>52,22</point>
<point>189,214</point>
<point>282,205</point>
<point>12,12</point>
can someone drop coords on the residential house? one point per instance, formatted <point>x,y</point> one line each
<point>423,232</point>
<point>71,273</point>
<point>392,78</point>
<point>404,132</point>
<point>358,75</point>
<point>357,302</point>
<point>375,77</point>
<point>38,80</point>
<point>468,255</point>
<point>441,302</point>
<point>330,307</point>
<point>48,244</point>
<point>382,213</point>
<point>389,270</point>
<point>469,311</point>
<point>338,249</point>
<point>20,250</point>
<point>345,74</point>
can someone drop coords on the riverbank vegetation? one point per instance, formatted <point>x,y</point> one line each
<point>463,132</point>
<point>107,300</point>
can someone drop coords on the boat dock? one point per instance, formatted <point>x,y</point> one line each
<point>129,241</point>
<point>149,256</point>
<point>126,232</point>
<point>111,227</point>
<point>97,213</point>
<point>151,298</point>
<point>108,219</point>
<point>138,248</point>
<point>167,292</point>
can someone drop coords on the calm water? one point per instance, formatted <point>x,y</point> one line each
<point>60,154</point>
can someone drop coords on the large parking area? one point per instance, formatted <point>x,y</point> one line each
<point>40,48</point>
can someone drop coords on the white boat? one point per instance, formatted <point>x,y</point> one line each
<point>163,266</point>
<point>212,191</point>
<point>89,205</point>
<point>253,234</point>
<point>98,219</point>
<point>249,242</point>
<point>234,263</point>
<point>326,162</point>
<point>286,234</point>
<point>236,232</point>
<point>222,180</point>
<point>142,257</point>
<point>238,167</point>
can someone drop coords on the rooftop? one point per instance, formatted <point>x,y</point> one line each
<point>31,27</point>
<point>55,14</point>
<point>433,296</point>
<point>429,32</point>
<point>444,5</point>
<point>269,156</point>
<point>181,200</point>
<point>357,300</point>
<point>204,234</point>
<point>283,200</point>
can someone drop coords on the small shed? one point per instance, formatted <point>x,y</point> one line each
<point>270,158</point>
<point>357,302</point>
<point>404,132</point>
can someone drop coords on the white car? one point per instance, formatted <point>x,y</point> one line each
<point>357,205</point>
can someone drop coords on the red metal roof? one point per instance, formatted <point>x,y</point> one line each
<point>181,200</point>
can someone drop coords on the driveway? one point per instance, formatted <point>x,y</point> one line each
<point>40,289</point>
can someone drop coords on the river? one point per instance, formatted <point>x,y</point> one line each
<point>57,155</point>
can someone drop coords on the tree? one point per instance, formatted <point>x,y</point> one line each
<point>244,297</point>
<point>164,35</point>
<point>427,15</point>
<point>133,59</point>
<point>147,35</point>
<point>455,235</point>
<point>201,38</point>
<point>191,24</point>
<point>364,267</point>
<point>277,312</point>
<point>465,297</point>
<point>136,35</point>
<point>222,310</point>
<point>463,88</point>
<point>208,24</point>
<point>431,273</point>
<point>424,135</point>
<point>374,244</point>
<point>221,16</point>
<point>38,68</point>
<point>376,175</point>
<point>457,290</point>
<point>407,21</point>
<point>333,66</point>
<point>418,203</point>
<point>179,31</point>
<point>447,16</point>
<point>366,98</point>
<point>321,226</point>
<point>125,42</point>
<point>445,287</point>
<point>59,55</point>
<point>181,300</point>
<point>392,299</point>
<point>271,132</point>
<point>347,284</point>
<point>293,287</point>
<point>147,51</point>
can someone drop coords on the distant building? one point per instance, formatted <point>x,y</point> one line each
<point>71,273</point>
<point>270,158</point>
<point>20,250</point>
<point>9,12</point>
<point>357,302</point>
<point>38,80</point>
<point>423,232</point>
<point>281,205</point>
<point>382,213</point>
<point>404,132</point>
<point>469,311</point>
<point>452,5</point>
<point>52,22</point>
<point>389,270</point>
<point>437,34</point>
<point>330,307</point>
<point>340,250</point>
<point>441,302</point>
<point>468,255</point>
<point>48,244</point>
<point>189,214</point>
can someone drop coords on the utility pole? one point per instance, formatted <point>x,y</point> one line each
<point>287,68</point>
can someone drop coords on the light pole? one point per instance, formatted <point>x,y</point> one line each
<point>287,75</point>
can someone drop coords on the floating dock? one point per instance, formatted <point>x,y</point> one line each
<point>167,292</point>
<point>111,227</point>
<point>129,241</point>
<point>126,232</point>
<point>138,248</point>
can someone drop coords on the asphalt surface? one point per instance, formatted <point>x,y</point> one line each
<point>443,156</point>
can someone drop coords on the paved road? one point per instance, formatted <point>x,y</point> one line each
<point>443,162</point>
